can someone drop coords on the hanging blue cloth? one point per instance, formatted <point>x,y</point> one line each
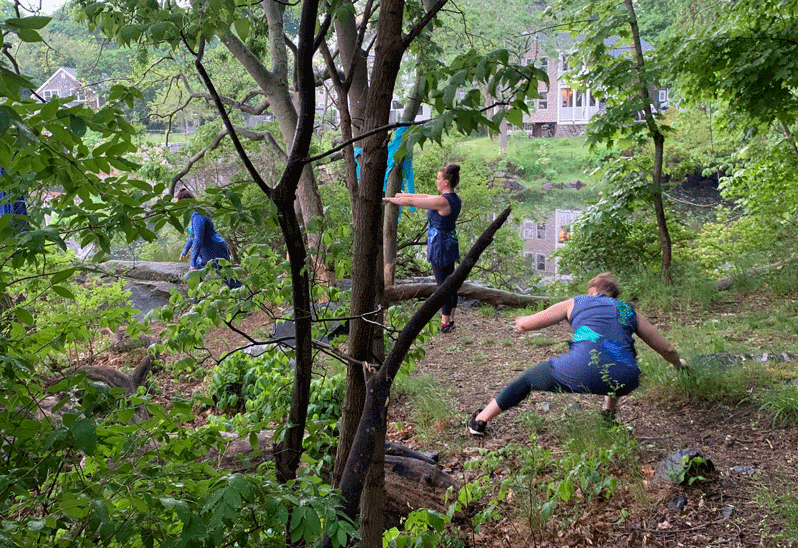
<point>408,182</point>
<point>14,206</point>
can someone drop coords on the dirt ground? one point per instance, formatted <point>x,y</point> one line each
<point>485,352</point>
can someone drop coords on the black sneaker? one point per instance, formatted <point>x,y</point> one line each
<point>448,328</point>
<point>475,427</point>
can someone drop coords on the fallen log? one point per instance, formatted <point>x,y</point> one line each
<point>495,297</point>
<point>725,283</point>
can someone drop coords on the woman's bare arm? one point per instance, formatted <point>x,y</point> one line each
<point>424,201</point>
<point>552,315</point>
<point>649,335</point>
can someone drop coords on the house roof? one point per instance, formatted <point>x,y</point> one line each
<point>71,72</point>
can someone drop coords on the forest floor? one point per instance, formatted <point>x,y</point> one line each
<point>751,456</point>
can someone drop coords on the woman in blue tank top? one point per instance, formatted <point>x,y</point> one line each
<point>443,248</point>
<point>204,243</point>
<point>601,359</point>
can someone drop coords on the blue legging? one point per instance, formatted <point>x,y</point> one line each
<point>441,273</point>
<point>535,378</point>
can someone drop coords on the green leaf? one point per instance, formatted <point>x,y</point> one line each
<point>24,316</point>
<point>242,28</point>
<point>28,35</point>
<point>63,292</point>
<point>36,22</point>
<point>515,116</point>
<point>85,433</point>
<point>59,277</point>
<point>5,120</point>
<point>75,508</point>
<point>78,125</point>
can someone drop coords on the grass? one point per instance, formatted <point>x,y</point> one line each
<point>432,405</point>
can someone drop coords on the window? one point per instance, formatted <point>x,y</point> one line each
<point>80,95</point>
<point>564,62</point>
<point>49,94</point>
<point>543,102</point>
<point>541,231</point>
<point>567,98</point>
<point>663,95</point>
<point>540,262</point>
<point>544,64</point>
<point>592,100</point>
<point>565,234</point>
<point>579,95</point>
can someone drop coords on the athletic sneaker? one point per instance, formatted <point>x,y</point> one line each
<point>475,427</point>
<point>448,328</point>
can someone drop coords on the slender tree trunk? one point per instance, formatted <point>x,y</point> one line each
<point>391,221</point>
<point>659,146</point>
<point>288,452</point>
<point>371,429</point>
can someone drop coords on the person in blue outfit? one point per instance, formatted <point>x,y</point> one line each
<point>14,206</point>
<point>443,249</point>
<point>204,243</point>
<point>602,357</point>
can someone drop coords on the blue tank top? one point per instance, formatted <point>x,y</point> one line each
<point>602,356</point>
<point>443,248</point>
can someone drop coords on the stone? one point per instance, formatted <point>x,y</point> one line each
<point>684,466</point>
<point>678,502</point>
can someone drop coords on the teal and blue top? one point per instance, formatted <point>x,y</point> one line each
<point>602,357</point>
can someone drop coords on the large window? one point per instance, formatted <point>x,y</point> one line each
<point>541,231</point>
<point>540,262</point>
<point>543,102</point>
<point>49,94</point>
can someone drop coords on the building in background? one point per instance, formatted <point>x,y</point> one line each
<point>64,83</point>
<point>542,238</point>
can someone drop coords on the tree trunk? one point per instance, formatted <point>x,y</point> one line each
<point>371,429</point>
<point>274,85</point>
<point>289,451</point>
<point>391,220</point>
<point>659,145</point>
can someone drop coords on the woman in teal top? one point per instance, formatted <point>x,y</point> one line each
<point>601,360</point>
<point>443,248</point>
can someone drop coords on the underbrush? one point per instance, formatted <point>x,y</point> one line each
<point>550,490</point>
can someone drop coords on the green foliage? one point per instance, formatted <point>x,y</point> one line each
<point>58,320</point>
<point>782,403</point>
<point>548,490</point>
<point>781,503</point>
<point>688,471</point>
<point>426,528</point>
<point>261,385</point>
<point>90,479</point>
<point>431,405</point>
<point>718,62</point>
<point>618,233</point>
